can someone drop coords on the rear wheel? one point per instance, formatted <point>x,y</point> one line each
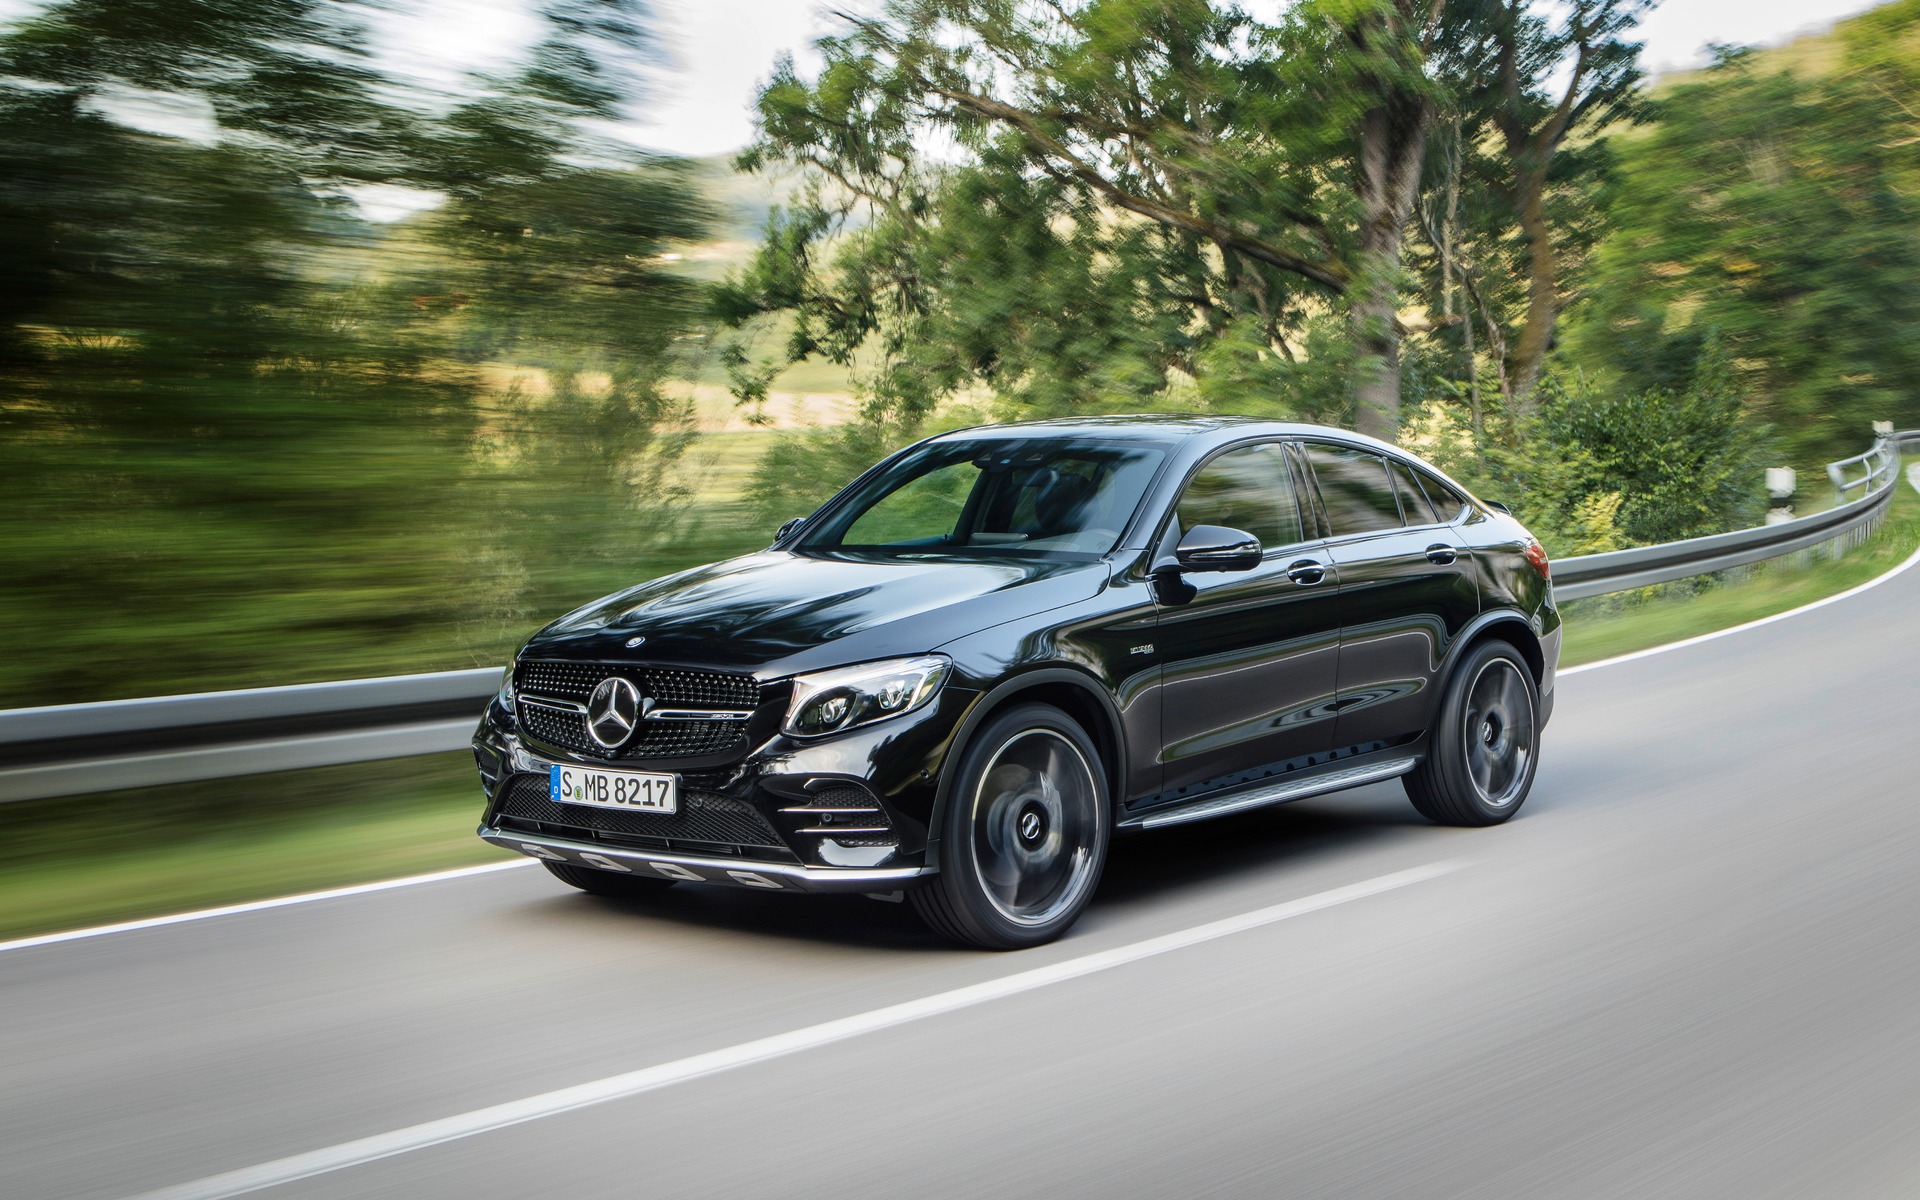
<point>607,883</point>
<point>1484,746</point>
<point>1025,833</point>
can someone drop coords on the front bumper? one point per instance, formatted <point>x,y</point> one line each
<point>785,816</point>
<point>763,876</point>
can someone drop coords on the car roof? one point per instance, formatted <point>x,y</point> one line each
<point>1160,427</point>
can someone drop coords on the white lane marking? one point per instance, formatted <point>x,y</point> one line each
<point>358,889</point>
<point>1682,644</point>
<point>647,1079</point>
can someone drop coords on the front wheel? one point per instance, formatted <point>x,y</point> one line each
<point>1484,746</point>
<point>1024,836</point>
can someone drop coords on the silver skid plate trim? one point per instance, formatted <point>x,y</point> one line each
<point>766,876</point>
<point>1275,793</point>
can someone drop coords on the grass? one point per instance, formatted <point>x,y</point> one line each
<point>97,859</point>
<point>89,860</point>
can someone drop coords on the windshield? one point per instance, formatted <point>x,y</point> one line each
<point>1031,497</point>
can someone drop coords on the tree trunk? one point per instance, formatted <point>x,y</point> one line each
<point>1392,151</point>
<point>1543,299</point>
<point>1376,389</point>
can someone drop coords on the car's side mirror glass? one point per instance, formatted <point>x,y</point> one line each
<point>1217,548</point>
<point>780,534</point>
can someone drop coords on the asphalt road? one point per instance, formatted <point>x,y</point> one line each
<point>1688,968</point>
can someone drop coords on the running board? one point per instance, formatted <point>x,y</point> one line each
<point>1274,793</point>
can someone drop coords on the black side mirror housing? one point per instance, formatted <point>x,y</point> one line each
<point>1217,548</point>
<point>787,527</point>
<point>1496,506</point>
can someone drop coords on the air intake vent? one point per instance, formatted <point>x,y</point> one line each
<point>845,812</point>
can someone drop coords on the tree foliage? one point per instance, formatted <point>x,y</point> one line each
<point>1009,190</point>
<point>1776,215</point>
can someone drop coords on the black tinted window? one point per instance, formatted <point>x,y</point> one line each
<point>1413,501</point>
<point>1245,489</point>
<point>1446,502</point>
<point>1355,489</point>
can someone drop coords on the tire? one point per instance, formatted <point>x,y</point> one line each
<point>607,883</point>
<point>1024,836</point>
<point>1484,746</point>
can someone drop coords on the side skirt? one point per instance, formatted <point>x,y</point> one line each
<point>1278,792</point>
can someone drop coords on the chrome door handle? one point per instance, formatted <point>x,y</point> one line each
<point>1306,572</point>
<point>1440,554</point>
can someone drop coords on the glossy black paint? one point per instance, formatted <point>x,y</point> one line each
<point>1187,679</point>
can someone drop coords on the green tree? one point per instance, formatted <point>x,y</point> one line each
<point>1776,215</point>
<point>1231,189</point>
<point>1513,199</point>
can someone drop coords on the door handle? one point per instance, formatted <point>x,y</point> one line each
<point>1440,554</point>
<point>1306,572</point>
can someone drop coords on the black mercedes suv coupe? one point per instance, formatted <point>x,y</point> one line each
<point>1001,647</point>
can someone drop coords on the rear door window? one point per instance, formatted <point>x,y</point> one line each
<point>1356,493</point>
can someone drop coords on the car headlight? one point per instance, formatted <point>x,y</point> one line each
<point>848,697</point>
<point>505,698</point>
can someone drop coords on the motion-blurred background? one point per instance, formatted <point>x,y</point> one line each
<point>343,339</point>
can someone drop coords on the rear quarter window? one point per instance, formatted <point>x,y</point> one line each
<point>1448,504</point>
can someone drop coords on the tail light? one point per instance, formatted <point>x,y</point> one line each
<point>1537,558</point>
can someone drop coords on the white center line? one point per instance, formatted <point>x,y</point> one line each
<point>647,1079</point>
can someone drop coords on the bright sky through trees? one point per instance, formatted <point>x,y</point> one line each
<point>716,51</point>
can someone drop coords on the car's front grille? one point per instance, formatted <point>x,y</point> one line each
<point>667,687</point>
<point>664,687</point>
<point>706,821</point>
<point>654,739</point>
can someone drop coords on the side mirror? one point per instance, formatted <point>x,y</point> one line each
<point>1496,506</point>
<point>780,534</point>
<point>1217,548</point>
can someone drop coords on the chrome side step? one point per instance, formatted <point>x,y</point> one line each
<point>1261,795</point>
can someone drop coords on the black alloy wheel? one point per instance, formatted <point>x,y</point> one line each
<point>612,884</point>
<point>1484,746</point>
<point>1024,836</point>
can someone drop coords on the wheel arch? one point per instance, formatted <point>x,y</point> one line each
<point>1504,624</point>
<point>1073,692</point>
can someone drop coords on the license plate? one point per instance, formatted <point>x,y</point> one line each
<point>613,789</point>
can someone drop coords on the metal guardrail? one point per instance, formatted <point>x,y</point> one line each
<point>1643,566</point>
<point>73,749</point>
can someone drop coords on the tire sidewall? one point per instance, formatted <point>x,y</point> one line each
<point>982,922</point>
<point>1450,735</point>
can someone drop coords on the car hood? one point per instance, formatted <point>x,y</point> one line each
<point>777,613</point>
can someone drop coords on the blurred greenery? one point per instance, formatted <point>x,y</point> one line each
<point>1601,293</point>
<point>251,437</point>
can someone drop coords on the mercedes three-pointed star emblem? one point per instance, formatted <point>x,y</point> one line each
<point>612,712</point>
